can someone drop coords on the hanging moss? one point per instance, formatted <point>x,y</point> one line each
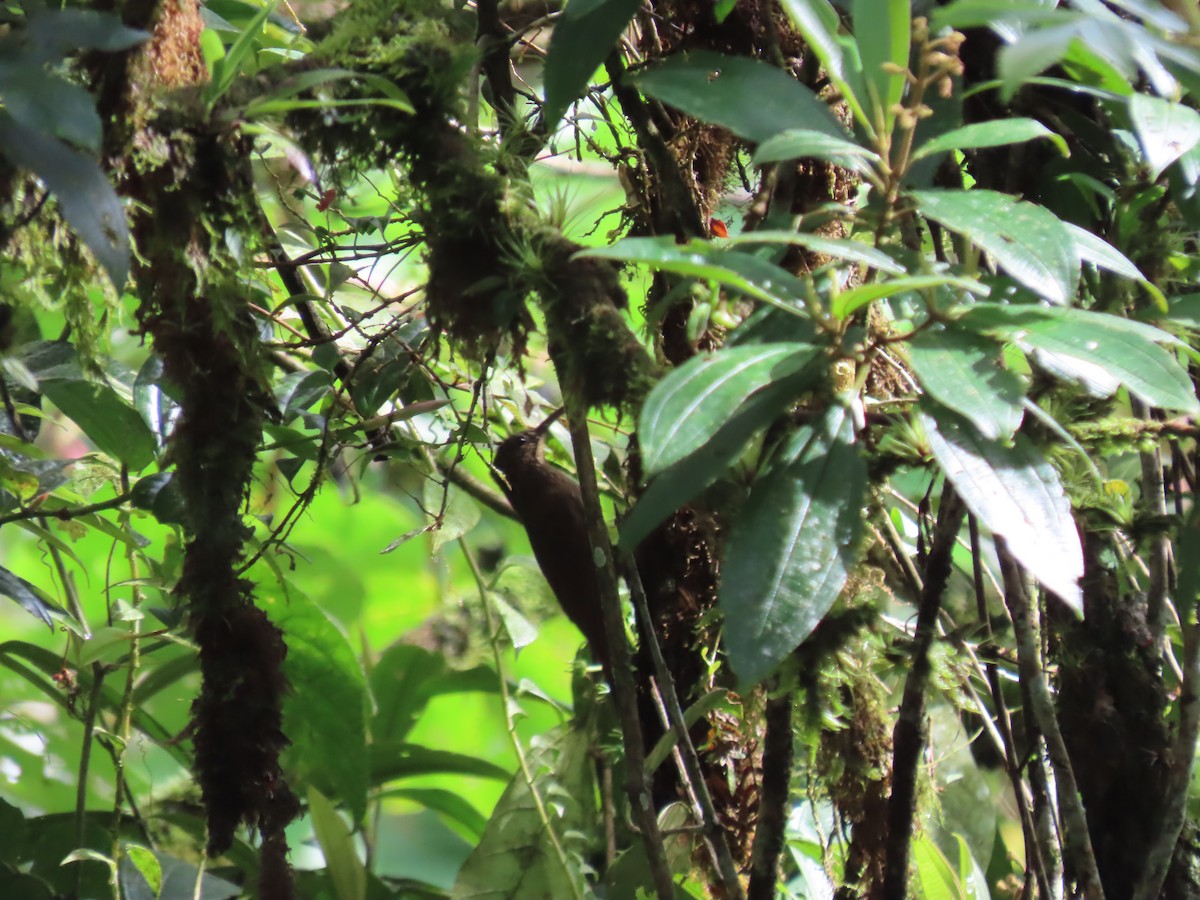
<point>192,308</point>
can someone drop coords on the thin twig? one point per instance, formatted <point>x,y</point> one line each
<point>1077,840</point>
<point>624,689</point>
<point>715,838</point>
<point>909,735</point>
<point>65,513</point>
<point>1035,853</point>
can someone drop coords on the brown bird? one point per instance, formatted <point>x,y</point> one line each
<point>547,501</point>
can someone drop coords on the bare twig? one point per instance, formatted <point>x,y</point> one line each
<point>908,737</point>
<point>64,513</point>
<point>1077,842</point>
<point>1034,853</point>
<point>714,837</point>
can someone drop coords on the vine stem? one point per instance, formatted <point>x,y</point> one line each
<point>125,714</point>
<point>510,723</point>
<point>624,689</point>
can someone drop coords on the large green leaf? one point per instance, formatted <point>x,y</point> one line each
<point>804,143</point>
<point>742,272</point>
<point>1165,130</point>
<point>691,404</point>
<point>51,105</point>
<point>791,548</point>
<point>1016,493</point>
<point>840,248</point>
<point>1027,241</point>
<point>846,303</point>
<point>582,38</point>
<point>86,199</point>
<point>686,479</point>
<point>390,760</point>
<point>30,597</point>
<point>996,133</point>
<point>50,34</point>
<point>516,858</point>
<point>346,870</point>
<point>962,370</point>
<point>719,89</point>
<point>325,715</point>
<point>882,30</point>
<point>820,25</point>
<point>1096,349</point>
<point>112,424</point>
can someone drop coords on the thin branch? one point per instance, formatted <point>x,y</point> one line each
<point>909,735</point>
<point>1035,854</point>
<point>624,689</point>
<point>64,513</point>
<point>1077,840</point>
<point>714,837</point>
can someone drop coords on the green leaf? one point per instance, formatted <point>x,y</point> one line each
<point>1165,130</point>
<point>109,422</point>
<point>970,875</point>
<point>86,199</point>
<point>820,26</point>
<point>278,100</point>
<point>882,32</point>
<point>515,858</point>
<point>53,33</point>
<point>31,598</point>
<point>325,715</point>
<point>962,371</point>
<point>147,865</point>
<point>390,760</point>
<point>691,404</point>
<point>1016,493</point>
<point>401,683</point>
<point>791,548</point>
<point>346,870</point>
<point>582,38</point>
<point>716,88</point>
<point>300,390</point>
<point>1100,253</point>
<point>227,68</point>
<point>689,477</point>
<point>854,251</point>
<point>934,874</point>
<point>846,303</point>
<point>742,272</point>
<point>460,516</point>
<point>1098,350</point>
<point>997,133</point>
<point>1029,242</point>
<point>804,143</point>
<point>447,803</point>
<point>51,105</point>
